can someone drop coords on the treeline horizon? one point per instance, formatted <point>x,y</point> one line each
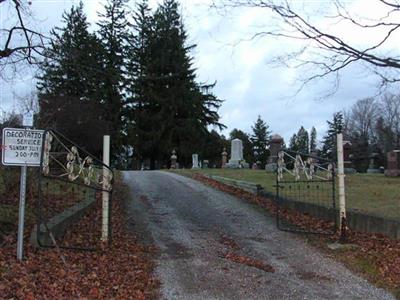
<point>132,77</point>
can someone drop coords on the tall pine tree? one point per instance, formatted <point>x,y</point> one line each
<point>313,141</point>
<point>293,143</point>
<point>70,94</point>
<point>299,142</point>
<point>140,110</point>
<point>174,109</point>
<point>260,139</point>
<point>303,140</point>
<point>113,34</point>
<point>329,141</point>
<point>73,64</point>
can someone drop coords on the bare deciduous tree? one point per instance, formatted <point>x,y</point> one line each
<point>19,43</point>
<point>390,114</point>
<point>323,48</point>
<point>363,116</point>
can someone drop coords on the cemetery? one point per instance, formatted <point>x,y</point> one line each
<point>371,198</point>
<point>148,151</point>
<point>370,193</point>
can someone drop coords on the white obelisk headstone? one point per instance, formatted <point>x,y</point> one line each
<point>236,151</point>
<point>195,161</point>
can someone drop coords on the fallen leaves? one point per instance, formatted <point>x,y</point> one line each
<point>122,271</point>
<point>302,221</point>
<point>379,253</point>
<point>251,262</point>
<point>229,242</point>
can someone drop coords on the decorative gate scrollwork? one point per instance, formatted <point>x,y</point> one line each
<point>71,184</point>
<point>305,191</point>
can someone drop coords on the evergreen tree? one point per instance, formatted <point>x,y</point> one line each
<point>299,142</point>
<point>303,141</point>
<point>214,143</point>
<point>260,139</point>
<point>73,64</point>
<point>329,141</point>
<point>70,77</point>
<point>167,105</point>
<point>113,34</point>
<point>140,110</point>
<point>293,143</point>
<point>313,141</point>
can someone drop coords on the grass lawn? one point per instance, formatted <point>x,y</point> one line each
<point>369,193</point>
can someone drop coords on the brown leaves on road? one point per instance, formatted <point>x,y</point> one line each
<point>248,261</point>
<point>229,242</point>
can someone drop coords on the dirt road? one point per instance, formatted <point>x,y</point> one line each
<point>215,246</point>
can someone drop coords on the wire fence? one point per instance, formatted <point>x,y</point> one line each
<point>71,187</point>
<point>64,199</point>
<point>305,184</point>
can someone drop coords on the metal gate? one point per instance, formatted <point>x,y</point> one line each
<point>71,186</point>
<point>305,194</point>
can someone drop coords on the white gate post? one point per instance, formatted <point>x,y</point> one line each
<point>342,195</point>
<point>105,194</point>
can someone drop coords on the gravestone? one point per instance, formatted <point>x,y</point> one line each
<point>393,164</point>
<point>373,168</point>
<point>348,164</point>
<point>259,164</point>
<point>195,161</point>
<point>224,158</point>
<point>174,158</point>
<point>275,145</point>
<point>205,164</point>
<point>237,160</point>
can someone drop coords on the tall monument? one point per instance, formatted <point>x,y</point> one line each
<point>237,160</point>
<point>275,145</point>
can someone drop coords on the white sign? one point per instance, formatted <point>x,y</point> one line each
<point>27,119</point>
<point>21,147</point>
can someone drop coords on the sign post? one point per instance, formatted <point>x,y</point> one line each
<point>21,213</point>
<point>21,147</point>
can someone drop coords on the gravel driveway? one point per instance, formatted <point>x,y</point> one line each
<point>195,226</point>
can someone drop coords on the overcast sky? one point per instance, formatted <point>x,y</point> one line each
<point>246,80</point>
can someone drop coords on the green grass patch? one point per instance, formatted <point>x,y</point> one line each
<point>366,266</point>
<point>373,194</point>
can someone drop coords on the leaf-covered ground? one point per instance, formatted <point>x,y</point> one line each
<point>372,255</point>
<point>122,271</point>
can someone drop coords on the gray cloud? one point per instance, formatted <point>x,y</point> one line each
<point>250,86</point>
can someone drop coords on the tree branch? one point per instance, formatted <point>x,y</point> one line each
<point>28,49</point>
